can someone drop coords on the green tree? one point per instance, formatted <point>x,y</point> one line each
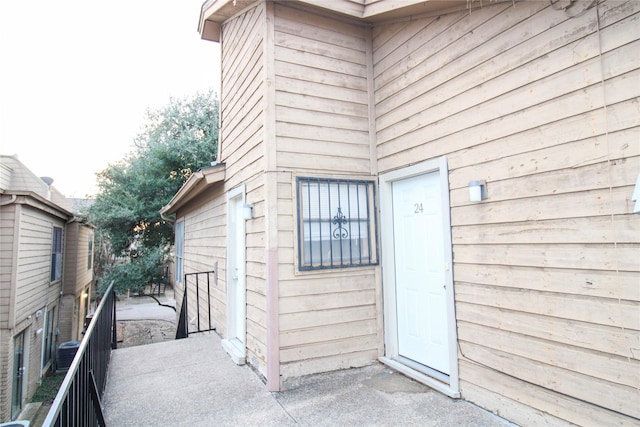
<point>144,268</point>
<point>174,142</point>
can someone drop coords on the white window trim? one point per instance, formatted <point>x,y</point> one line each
<point>52,263</point>
<point>179,259</point>
<point>236,350</point>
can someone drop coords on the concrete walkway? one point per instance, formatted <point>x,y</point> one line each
<point>193,382</point>
<point>146,311</point>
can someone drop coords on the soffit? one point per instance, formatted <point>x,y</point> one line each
<point>214,12</point>
<point>195,185</point>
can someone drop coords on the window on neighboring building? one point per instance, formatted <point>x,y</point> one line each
<point>56,254</point>
<point>179,249</point>
<point>90,254</point>
<point>336,223</point>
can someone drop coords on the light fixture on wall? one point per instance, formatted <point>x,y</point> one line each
<point>247,211</point>
<point>477,190</point>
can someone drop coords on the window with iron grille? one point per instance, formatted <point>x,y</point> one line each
<point>336,223</point>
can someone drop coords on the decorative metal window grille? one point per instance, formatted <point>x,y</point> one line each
<point>337,223</point>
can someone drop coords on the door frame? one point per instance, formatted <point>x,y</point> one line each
<point>235,348</point>
<point>19,374</point>
<point>447,385</point>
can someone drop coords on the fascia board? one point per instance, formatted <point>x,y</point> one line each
<point>194,186</point>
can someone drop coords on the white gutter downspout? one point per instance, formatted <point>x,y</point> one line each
<point>169,220</point>
<point>8,202</point>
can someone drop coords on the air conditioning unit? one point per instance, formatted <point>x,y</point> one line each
<point>16,423</point>
<point>66,353</point>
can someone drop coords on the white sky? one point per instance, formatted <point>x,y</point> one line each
<point>77,77</point>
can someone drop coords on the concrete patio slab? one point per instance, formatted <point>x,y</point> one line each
<point>144,311</point>
<point>193,382</point>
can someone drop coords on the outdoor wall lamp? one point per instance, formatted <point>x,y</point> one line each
<point>247,212</point>
<point>477,190</point>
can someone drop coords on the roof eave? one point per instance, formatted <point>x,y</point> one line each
<point>35,196</point>
<point>214,12</point>
<point>195,185</point>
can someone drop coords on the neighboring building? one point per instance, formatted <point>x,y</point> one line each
<point>352,129</point>
<point>46,273</point>
<point>77,280</point>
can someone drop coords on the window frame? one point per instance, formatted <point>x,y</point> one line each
<point>339,217</point>
<point>90,252</point>
<point>179,251</point>
<point>57,236</point>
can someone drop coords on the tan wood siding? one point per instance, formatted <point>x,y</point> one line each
<point>77,274</point>
<point>8,251</point>
<point>33,286</point>
<point>84,270</point>
<point>256,274</point>
<point>321,99</point>
<point>76,278</point>
<point>349,7</point>
<point>545,108</point>
<point>327,319</point>
<point>5,176</point>
<point>242,151</point>
<point>205,250</point>
<point>242,96</point>
<point>243,109</point>
<point>70,262</point>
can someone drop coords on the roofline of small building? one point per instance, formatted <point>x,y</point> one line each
<point>194,186</point>
<point>33,195</point>
<point>214,12</point>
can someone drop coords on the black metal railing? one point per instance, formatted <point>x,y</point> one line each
<point>78,400</point>
<point>196,316</point>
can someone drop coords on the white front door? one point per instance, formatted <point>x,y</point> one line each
<point>236,278</point>
<point>417,280</point>
<point>420,271</point>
